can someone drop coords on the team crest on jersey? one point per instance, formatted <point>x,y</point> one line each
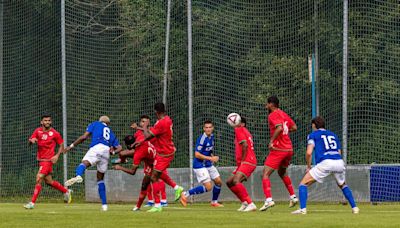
<point>50,133</point>
<point>199,147</point>
<point>44,137</point>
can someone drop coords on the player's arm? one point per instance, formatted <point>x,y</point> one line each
<point>244,149</point>
<point>115,149</point>
<point>81,139</point>
<point>33,139</point>
<point>204,157</point>
<point>309,151</point>
<point>131,171</point>
<point>278,130</point>
<point>54,159</point>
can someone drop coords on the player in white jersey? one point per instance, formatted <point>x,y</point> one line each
<point>328,161</point>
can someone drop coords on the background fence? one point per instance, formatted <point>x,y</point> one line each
<point>120,53</point>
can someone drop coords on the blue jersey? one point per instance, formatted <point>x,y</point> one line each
<point>327,145</point>
<point>103,134</point>
<point>205,146</point>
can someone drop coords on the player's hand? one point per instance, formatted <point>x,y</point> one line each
<point>54,159</point>
<point>136,144</point>
<point>134,126</point>
<point>117,167</point>
<point>270,145</point>
<point>214,159</point>
<point>112,151</point>
<point>33,141</point>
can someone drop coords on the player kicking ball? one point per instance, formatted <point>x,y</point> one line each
<point>203,167</point>
<point>47,138</point>
<point>103,143</point>
<point>328,161</point>
<point>245,160</point>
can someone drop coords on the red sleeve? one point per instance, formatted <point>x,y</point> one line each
<point>275,120</point>
<point>158,129</point>
<point>290,122</point>
<point>59,140</point>
<point>34,134</point>
<point>137,157</point>
<point>240,135</point>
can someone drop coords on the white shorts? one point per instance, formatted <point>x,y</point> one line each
<point>98,155</point>
<point>205,175</point>
<point>328,167</point>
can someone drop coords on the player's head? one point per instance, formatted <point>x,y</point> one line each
<point>144,120</point>
<point>129,140</point>
<point>243,121</point>
<point>208,127</point>
<point>105,119</point>
<point>318,123</point>
<point>272,103</point>
<point>45,120</point>
<point>159,108</point>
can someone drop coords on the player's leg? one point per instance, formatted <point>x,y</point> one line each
<point>164,202</point>
<point>266,184</point>
<point>161,164</point>
<point>155,176</point>
<point>56,185</point>
<point>340,176</point>
<point>215,176</point>
<point>150,199</point>
<point>143,192</point>
<point>38,187</point>
<point>236,186</point>
<point>204,179</point>
<point>102,166</point>
<point>102,190</point>
<point>90,159</point>
<point>307,180</point>
<point>282,172</point>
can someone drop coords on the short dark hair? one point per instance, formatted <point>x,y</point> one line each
<point>243,120</point>
<point>144,117</point>
<point>45,115</point>
<point>273,100</point>
<point>129,140</point>
<point>159,107</point>
<point>208,122</point>
<point>319,122</point>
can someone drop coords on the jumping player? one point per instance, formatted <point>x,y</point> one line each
<point>103,143</point>
<point>328,161</point>
<point>47,138</point>
<point>281,151</point>
<point>246,163</point>
<point>165,151</point>
<point>203,167</point>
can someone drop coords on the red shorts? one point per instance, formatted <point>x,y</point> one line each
<point>161,163</point>
<point>147,169</point>
<point>45,167</point>
<point>246,169</point>
<point>277,159</point>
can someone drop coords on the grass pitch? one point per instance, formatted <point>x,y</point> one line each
<point>197,215</point>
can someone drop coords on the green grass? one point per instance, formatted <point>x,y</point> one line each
<point>197,215</point>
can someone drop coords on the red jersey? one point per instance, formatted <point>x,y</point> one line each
<point>280,118</point>
<point>162,131</point>
<point>144,152</point>
<point>139,136</point>
<point>46,142</point>
<point>242,134</point>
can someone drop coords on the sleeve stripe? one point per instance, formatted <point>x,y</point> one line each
<point>203,138</point>
<point>278,125</point>
<point>244,140</point>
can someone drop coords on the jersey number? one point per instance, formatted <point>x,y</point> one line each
<point>330,142</point>
<point>106,133</point>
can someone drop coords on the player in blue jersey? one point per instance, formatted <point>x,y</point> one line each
<point>328,161</point>
<point>103,143</point>
<point>203,167</point>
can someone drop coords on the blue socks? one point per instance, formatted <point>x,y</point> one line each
<point>215,192</point>
<point>349,196</point>
<point>197,190</point>
<point>102,192</point>
<point>303,196</point>
<point>80,170</point>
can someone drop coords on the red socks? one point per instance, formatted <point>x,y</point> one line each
<point>156,192</point>
<point>58,186</point>
<point>142,196</point>
<point>266,184</point>
<point>167,179</point>
<point>241,193</point>
<point>38,188</point>
<point>162,189</point>
<point>288,183</point>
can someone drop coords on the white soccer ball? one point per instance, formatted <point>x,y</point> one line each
<point>233,119</point>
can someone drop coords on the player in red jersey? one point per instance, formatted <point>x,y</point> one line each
<point>281,151</point>
<point>246,163</point>
<point>47,138</point>
<point>162,132</point>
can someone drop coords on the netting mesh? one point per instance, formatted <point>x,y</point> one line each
<point>31,86</point>
<point>242,53</point>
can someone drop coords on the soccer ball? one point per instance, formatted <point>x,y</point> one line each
<point>233,119</point>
